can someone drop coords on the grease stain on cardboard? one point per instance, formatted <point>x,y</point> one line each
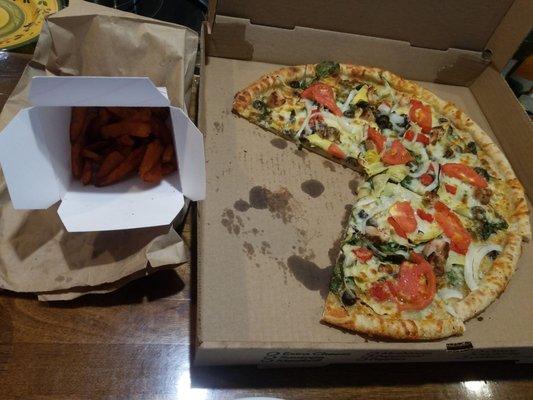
<point>309,254</point>
<point>353,184</point>
<point>300,153</point>
<point>329,165</point>
<point>279,203</point>
<point>241,205</point>
<point>230,222</point>
<point>312,187</point>
<point>309,274</point>
<point>279,143</point>
<point>248,249</point>
<point>265,247</point>
<point>219,126</point>
<point>258,197</point>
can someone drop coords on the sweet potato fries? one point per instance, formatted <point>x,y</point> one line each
<point>109,144</point>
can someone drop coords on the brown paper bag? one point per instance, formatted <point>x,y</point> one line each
<point>36,252</point>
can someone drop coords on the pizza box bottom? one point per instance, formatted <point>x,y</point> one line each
<point>269,232</point>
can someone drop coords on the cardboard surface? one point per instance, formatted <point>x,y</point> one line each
<point>268,234</point>
<point>515,133</point>
<point>431,24</point>
<point>495,27</point>
<point>237,38</point>
<point>95,91</point>
<point>22,146</point>
<point>510,33</point>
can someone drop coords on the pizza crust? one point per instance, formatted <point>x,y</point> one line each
<point>494,282</point>
<point>363,319</point>
<point>244,98</point>
<point>520,218</point>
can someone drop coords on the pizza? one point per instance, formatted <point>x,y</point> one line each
<point>436,229</point>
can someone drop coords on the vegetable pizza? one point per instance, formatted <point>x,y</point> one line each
<point>436,230</point>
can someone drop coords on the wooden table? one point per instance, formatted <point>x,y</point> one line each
<point>136,343</point>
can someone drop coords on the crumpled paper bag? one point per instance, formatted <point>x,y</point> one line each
<point>36,253</point>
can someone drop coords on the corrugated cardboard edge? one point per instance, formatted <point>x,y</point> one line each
<point>237,38</point>
<point>513,28</point>
<point>283,355</point>
<point>201,123</point>
<point>498,102</point>
<point>431,24</point>
<point>211,15</point>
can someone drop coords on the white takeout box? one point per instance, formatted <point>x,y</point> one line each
<point>35,157</point>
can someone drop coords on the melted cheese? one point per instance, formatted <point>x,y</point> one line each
<point>380,308</point>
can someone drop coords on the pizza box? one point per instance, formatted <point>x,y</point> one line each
<point>35,157</point>
<point>270,226</point>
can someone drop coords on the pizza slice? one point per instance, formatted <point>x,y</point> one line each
<point>346,113</point>
<point>309,105</point>
<point>388,277</point>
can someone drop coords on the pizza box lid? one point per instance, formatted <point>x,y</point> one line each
<point>495,28</point>
<point>35,157</point>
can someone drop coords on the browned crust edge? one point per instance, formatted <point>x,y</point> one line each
<point>244,98</point>
<point>494,282</point>
<point>362,318</point>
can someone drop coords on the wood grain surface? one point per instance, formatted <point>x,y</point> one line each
<point>136,343</point>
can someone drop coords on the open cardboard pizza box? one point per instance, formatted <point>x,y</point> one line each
<point>269,228</point>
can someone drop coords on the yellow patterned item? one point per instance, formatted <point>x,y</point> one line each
<point>21,20</point>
